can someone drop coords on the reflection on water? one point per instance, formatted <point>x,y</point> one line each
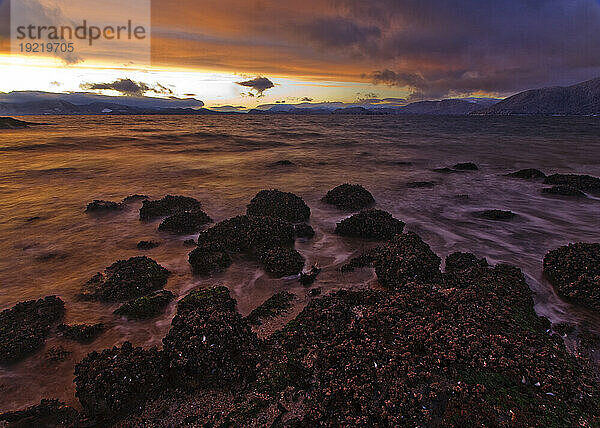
<point>49,173</point>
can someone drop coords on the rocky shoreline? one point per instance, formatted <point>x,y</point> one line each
<point>456,347</point>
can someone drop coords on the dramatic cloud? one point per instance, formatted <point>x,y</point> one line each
<point>128,87</point>
<point>259,84</point>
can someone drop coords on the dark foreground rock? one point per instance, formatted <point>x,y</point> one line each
<point>308,278</point>
<point>466,166</point>
<point>116,381</point>
<point>209,343</point>
<point>82,333</point>
<point>126,279</point>
<point>405,258</point>
<point>146,307</point>
<point>274,306</point>
<point>304,230</point>
<point>98,206</point>
<point>463,268</point>
<point>585,183</point>
<point>167,206</point>
<point>185,222</point>
<point>575,272</point>
<point>527,174</point>
<point>283,205</point>
<point>49,413</point>
<point>496,214</point>
<point>25,327</point>
<point>370,224</point>
<point>281,261</point>
<point>147,245</point>
<point>563,191</point>
<point>349,197</point>
<point>205,261</point>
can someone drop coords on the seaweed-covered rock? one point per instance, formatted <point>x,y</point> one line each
<point>245,233</point>
<point>281,261</point>
<point>167,206</point>
<point>274,306</point>
<point>146,306</point>
<point>206,261</point>
<point>466,166</point>
<point>147,245</point>
<point>209,342</point>
<point>116,381</point>
<point>185,222</point>
<point>127,279</point>
<point>420,185</point>
<point>585,183</point>
<point>370,224</point>
<point>404,259</point>
<point>349,197</point>
<point>575,272</point>
<point>563,191</point>
<point>527,174</point>
<point>98,206</point>
<point>496,214</point>
<point>25,326</point>
<point>283,205</point>
<point>303,230</point>
<point>82,333</point>
<point>308,278</point>
<point>49,413</point>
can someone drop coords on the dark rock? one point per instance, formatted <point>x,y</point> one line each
<point>308,278</point>
<point>420,185</point>
<point>167,206</point>
<point>245,233</point>
<point>118,380</point>
<point>563,328</point>
<point>405,259</point>
<point>25,326</point>
<point>563,191</point>
<point>209,342</point>
<point>283,162</point>
<point>146,306</point>
<point>206,261</point>
<point>147,245</point>
<point>349,197</point>
<point>463,268</point>
<point>462,197</point>
<point>272,307</point>
<point>82,333</point>
<point>575,272</point>
<point>303,230</point>
<point>370,224</point>
<point>98,206</point>
<point>445,170</point>
<point>315,291</point>
<point>496,214</point>
<point>136,197</point>
<point>49,413</point>
<point>32,219</point>
<point>585,183</point>
<point>189,243</point>
<point>466,166</point>
<point>283,205</point>
<point>528,174</point>
<point>127,279</point>
<point>10,123</point>
<point>57,354</point>
<point>46,257</point>
<point>185,222</point>
<point>281,261</point>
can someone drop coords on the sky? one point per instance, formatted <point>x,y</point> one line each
<point>244,53</point>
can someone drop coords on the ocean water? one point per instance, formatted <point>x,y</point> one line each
<point>50,172</point>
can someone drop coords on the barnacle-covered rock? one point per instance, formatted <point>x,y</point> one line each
<point>116,381</point>
<point>308,278</point>
<point>209,342</point>
<point>167,206</point>
<point>147,245</point>
<point>185,222</point>
<point>145,307</point>
<point>127,279</point>
<point>25,327</point>
<point>575,272</point>
<point>281,261</point>
<point>98,206</point>
<point>585,183</point>
<point>349,197</point>
<point>82,333</point>
<point>304,230</point>
<point>496,214</point>
<point>527,174</point>
<point>466,166</point>
<point>283,205</point>
<point>370,224</point>
<point>49,413</point>
<point>274,306</point>
<point>563,191</point>
<point>206,261</point>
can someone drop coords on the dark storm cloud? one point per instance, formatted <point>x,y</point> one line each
<point>128,87</point>
<point>338,31</point>
<point>259,84</point>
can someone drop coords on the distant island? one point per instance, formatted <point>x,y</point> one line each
<point>582,99</point>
